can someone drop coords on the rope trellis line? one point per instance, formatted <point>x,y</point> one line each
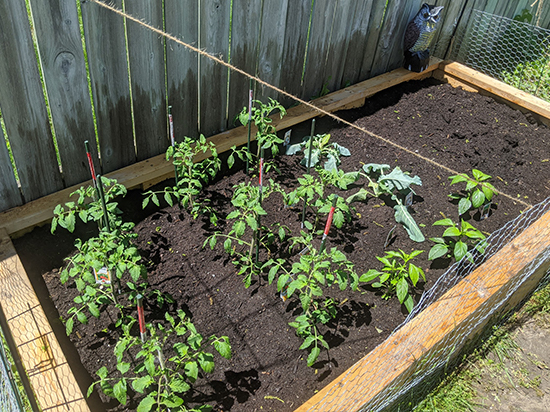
<point>284,93</point>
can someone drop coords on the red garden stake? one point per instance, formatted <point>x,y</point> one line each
<point>329,223</point>
<point>172,138</point>
<point>141,317</point>
<point>90,163</point>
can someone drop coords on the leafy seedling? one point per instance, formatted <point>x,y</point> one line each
<point>477,193</point>
<point>457,240</point>
<point>321,149</point>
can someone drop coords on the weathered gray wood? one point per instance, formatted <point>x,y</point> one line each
<point>214,38</point>
<point>344,16</point>
<point>295,42</point>
<point>245,37</point>
<point>106,47</point>
<point>358,35</point>
<point>377,17</point>
<point>182,65</point>
<point>10,196</point>
<point>270,58</point>
<point>64,69</point>
<point>319,38</point>
<point>447,28</point>
<point>23,105</point>
<point>146,58</point>
<point>389,54</point>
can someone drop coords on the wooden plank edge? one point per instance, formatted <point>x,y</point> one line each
<point>518,98</point>
<point>436,326</point>
<point>19,220</point>
<point>53,382</point>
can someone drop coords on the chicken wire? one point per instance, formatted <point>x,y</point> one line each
<point>424,374</point>
<point>509,50</point>
<point>10,398</point>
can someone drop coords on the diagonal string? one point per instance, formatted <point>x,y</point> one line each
<point>289,95</point>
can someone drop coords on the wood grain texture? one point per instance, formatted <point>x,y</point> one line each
<point>9,191</point>
<point>270,57</point>
<point>18,220</point>
<point>294,48</point>
<point>146,61</point>
<point>182,65</point>
<point>54,384</point>
<point>438,328</point>
<point>214,38</point>
<point>64,70</point>
<point>245,39</point>
<point>106,47</point>
<point>23,105</point>
<point>376,23</point>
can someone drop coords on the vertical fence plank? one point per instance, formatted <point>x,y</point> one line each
<point>389,53</point>
<point>340,41</point>
<point>146,56</point>
<point>182,21</point>
<point>295,42</point>
<point>447,27</point>
<point>9,192</point>
<point>245,37</point>
<point>270,59</point>
<point>106,47</point>
<point>359,30</point>
<point>64,69</point>
<point>319,38</point>
<point>23,106</point>
<point>377,17</point>
<point>214,38</point>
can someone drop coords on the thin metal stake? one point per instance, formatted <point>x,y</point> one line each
<point>103,203</point>
<point>308,167</point>
<point>250,93</point>
<point>172,138</point>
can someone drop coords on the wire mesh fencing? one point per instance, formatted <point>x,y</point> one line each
<point>460,308</point>
<point>510,50</point>
<point>10,397</point>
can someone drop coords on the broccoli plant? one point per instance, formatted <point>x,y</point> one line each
<point>320,150</point>
<point>397,185</point>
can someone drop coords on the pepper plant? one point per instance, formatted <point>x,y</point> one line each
<point>192,176</point>
<point>397,185</point>
<point>457,240</point>
<point>477,192</point>
<point>164,382</point>
<point>397,276</point>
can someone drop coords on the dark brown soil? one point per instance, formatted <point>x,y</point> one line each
<point>456,129</point>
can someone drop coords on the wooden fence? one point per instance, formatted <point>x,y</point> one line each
<point>72,71</point>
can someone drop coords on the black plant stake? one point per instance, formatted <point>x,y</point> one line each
<point>308,167</point>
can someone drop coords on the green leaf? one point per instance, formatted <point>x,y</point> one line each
<point>443,222</point>
<point>451,232</point>
<point>206,361</point>
<point>146,404</point>
<point>478,198</point>
<point>142,383</point>
<point>437,251</point>
<point>223,347</point>
<point>313,355</point>
<point>464,205</point>
<point>458,178</point>
<point>178,386</point>
<point>119,391</point>
<point>370,275</point>
<point>402,289</point>
<point>102,372</point>
<point>293,149</point>
<point>307,342</point>
<point>409,303</point>
<point>403,216</point>
<point>460,250</point>
<point>191,371</point>
<point>305,300</point>
<point>82,317</point>
<point>123,367</point>
<point>94,310</point>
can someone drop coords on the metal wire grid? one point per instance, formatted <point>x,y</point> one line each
<point>397,395</point>
<point>514,52</point>
<point>10,398</point>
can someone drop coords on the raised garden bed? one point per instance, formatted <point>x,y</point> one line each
<point>457,129</point>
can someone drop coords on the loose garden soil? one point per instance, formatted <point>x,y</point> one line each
<point>268,372</point>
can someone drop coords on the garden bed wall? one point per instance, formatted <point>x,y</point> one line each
<point>393,363</point>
